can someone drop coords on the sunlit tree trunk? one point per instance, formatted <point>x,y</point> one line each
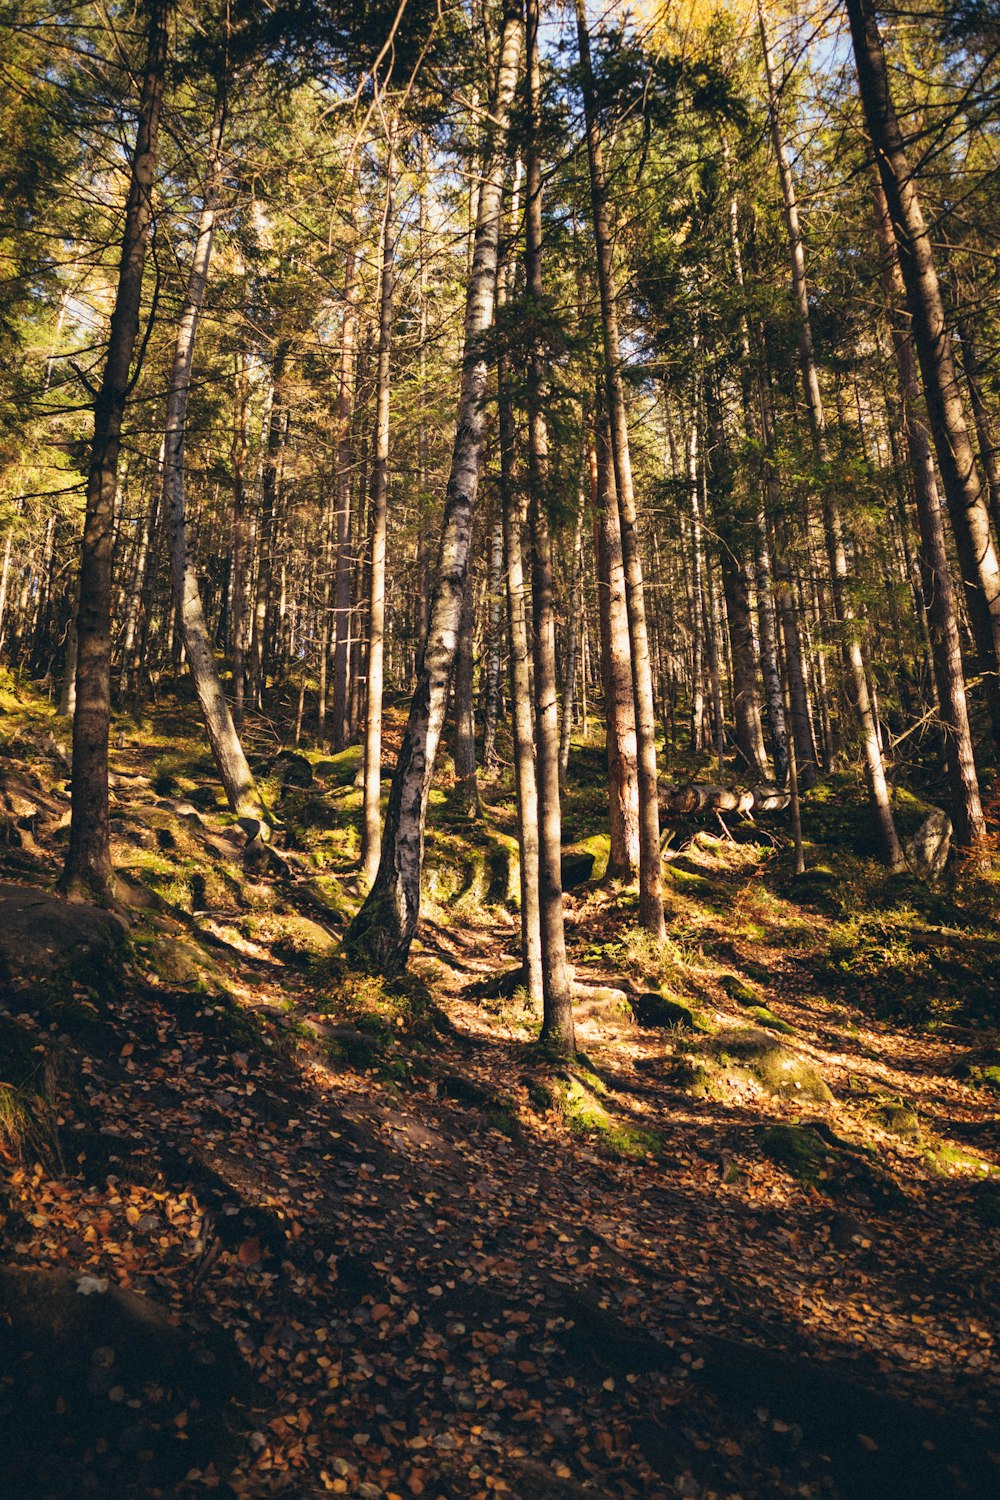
<point>380,935</point>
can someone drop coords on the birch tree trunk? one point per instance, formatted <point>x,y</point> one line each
<point>380,935</point>
<point>88,873</point>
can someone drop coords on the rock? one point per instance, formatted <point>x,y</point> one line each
<point>652,1009</point>
<point>45,941</point>
<point>739,990</point>
<point>796,1148</point>
<point>602,1002</point>
<point>208,798</point>
<point>293,768</point>
<point>301,940</point>
<point>178,961</point>
<point>780,1070</point>
<point>899,1120</point>
<point>577,867</point>
<point>95,1376</point>
<point>928,849</point>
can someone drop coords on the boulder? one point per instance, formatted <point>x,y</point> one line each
<point>577,867</point>
<point>46,941</point>
<point>776,1067</point>
<point>927,850</point>
<point>653,1009</point>
<point>100,1382</point>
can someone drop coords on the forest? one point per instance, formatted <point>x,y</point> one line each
<point>500,749</point>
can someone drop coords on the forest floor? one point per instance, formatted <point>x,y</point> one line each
<point>745,1247</point>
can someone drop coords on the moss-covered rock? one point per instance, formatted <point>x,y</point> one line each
<point>779,1070</point>
<point>796,1148</point>
<point>770,1021</point>
<point>50,944</point>
<point>653,1009</point>
<point>739,990</point>
<point>899,1120</point>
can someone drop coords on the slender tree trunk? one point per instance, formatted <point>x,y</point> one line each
<point>946,645</point>
<point>491,705</point>
<point>619,704</point>
<point>464,706</point>
<point>339,717</point>
<point>235,773</point>
<point>650,871</point>
<point>371,833</point>
<point>833,524</point>
<point>981,417</point>
<point>88,871</point>
<point>380,935</point>
<point>557,984</point>
<point>572,637</point>
<point>967,506</point>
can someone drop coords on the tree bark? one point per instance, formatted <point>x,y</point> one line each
<point>946,645</point>
<point>557,992</point>
<point>339,718</point>
<point>88,872</point>
<point>380,935</point>
<point>235,773</point>
<point>616,669</point>
<point>371,832</point>
<point>650,873</point>
<point>967,506</point>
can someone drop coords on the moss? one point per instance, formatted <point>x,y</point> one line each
<point>950,1160</point>
<point>739,990</point>
<point>899,1120</point>
<point>770,1021</point>
<point>587,1116</point>
<point>780,1071</point>
<point>654,1009</point>
<point>799,1150</point>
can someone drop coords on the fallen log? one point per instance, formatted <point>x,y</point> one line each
<point>699,797</point>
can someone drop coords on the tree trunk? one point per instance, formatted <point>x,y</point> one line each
<point>339,719</point>
<point>380,935</point>
<point>967,507</point>
<point>88,872</point>
<point>616,669</point>
<point>572,638</point>
<point>557,990</point>
<point>946,645</point>
<point>833,525</point>
<point>491,705</point>
<point>371,832</point>
<point>650,873</point>
<point>237,778</point>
